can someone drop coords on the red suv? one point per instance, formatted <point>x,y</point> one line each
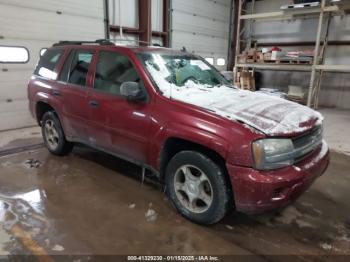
<point>215,147</point>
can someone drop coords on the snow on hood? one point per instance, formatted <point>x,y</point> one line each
<point>268,114</point>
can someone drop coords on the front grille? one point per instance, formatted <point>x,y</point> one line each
<point>308,143</point>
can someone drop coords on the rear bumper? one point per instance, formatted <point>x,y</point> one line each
<point>257,191</point>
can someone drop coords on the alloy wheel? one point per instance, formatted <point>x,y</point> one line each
<point>193,189</point>
<point>51,134</point>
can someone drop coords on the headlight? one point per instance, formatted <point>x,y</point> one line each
<point>273,153</point>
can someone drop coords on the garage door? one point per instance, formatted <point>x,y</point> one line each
<point>202,26</point>
<point>35,25</point>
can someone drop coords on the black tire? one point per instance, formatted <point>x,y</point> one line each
<point>63,147</point>
<point>221,193</point>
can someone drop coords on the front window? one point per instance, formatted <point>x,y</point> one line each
<point>114,69</point>
<point>176,72</point>
<point>76,67</point>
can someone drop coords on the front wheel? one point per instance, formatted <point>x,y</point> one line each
<point>53,135</point>
<point>197,187</point>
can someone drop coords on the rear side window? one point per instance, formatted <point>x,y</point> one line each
<point>112,70</point>
<point>76,67</point>
<point>47,63</point>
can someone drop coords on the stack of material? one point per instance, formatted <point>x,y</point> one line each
<point>301,56</point>
<point>300,4</point>
<point>297,94</point>
<point>249,56</point>
<point>245,80</point>
<point>276,55</point>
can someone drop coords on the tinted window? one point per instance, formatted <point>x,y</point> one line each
<point>42,51</point>
<point>65,70</point>
<point>112,70</point>
<point>79,67</point>
<point>47,63</point>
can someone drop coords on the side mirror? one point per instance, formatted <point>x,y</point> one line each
<point>133,92</point>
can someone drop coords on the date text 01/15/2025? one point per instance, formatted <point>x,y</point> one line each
<point>173,258</point>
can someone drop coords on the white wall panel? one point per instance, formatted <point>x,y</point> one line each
<point>34,25</point>
<point>202,26</point>
<point>87,8</point>
<point>157,15</point>
<point>128,12</point>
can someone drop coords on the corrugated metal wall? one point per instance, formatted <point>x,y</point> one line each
<point>34,25</point>
<point>335,90</point>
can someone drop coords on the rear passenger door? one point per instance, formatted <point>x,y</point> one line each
<point>75,78</point>
<point>116,124</point>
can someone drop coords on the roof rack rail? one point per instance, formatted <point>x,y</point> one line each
<point>105,42</point>
<point>99,41</point>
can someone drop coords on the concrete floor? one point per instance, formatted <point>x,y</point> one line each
<point>91,203</point>
<point>337,129</point>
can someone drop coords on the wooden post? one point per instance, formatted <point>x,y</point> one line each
<point>316,55</point>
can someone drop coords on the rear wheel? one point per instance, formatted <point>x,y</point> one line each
<point>53,135</point>
<point>197,187</point>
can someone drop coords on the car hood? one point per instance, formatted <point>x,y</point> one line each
<point>271,115</point>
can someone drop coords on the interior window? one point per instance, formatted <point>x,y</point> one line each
<point>14,54</point>
<point>79,67</point>
<point>47,63</point>
<point>221,62</point>
<point>112,70</point>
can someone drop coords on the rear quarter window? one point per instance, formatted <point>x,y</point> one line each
<point>48,62</point>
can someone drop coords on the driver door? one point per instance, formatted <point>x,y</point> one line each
<point>117,125</point>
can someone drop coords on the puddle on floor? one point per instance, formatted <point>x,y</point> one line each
<point>92,203</point>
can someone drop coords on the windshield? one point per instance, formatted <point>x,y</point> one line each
<point>181,70</point>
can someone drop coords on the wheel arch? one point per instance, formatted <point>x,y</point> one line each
<point>175,145</point>
<point>41,107</point>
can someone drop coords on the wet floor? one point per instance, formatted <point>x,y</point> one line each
<point>91,203</point>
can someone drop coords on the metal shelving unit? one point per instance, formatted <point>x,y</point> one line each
<point>271,66</point>
<point>303,13</point>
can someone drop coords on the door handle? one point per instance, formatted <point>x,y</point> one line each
<point>56,93</point>
<point>94,103</point>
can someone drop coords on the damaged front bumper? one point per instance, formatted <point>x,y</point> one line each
<point>257,191</point>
